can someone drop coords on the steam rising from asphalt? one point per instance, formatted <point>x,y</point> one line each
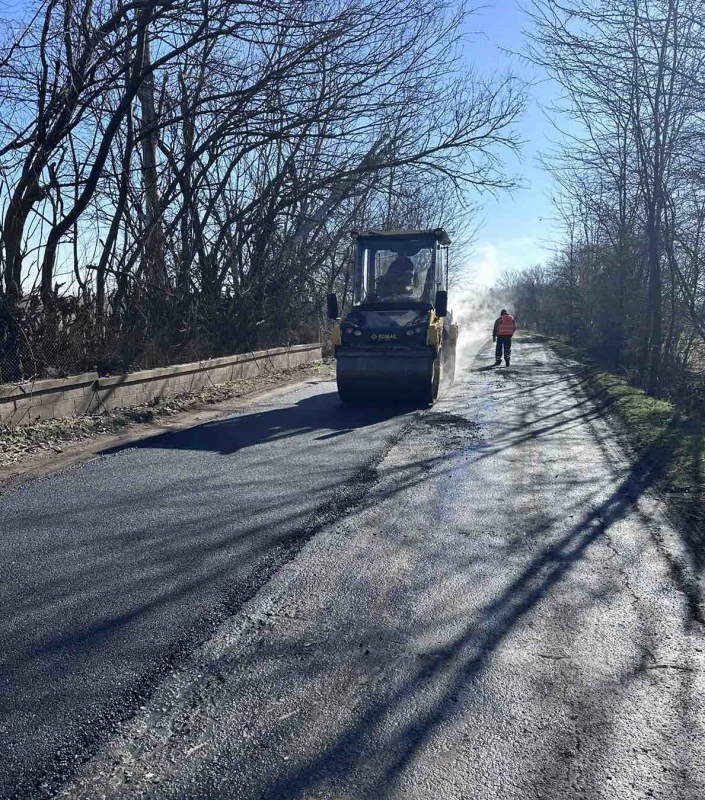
<point>475,312</point>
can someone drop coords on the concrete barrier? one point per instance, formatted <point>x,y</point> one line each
<point>22,404</point>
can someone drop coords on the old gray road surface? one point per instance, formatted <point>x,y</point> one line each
<point>488,603</point>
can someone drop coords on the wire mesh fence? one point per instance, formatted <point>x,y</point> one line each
<point>47,350</point>
<point>35,345</point>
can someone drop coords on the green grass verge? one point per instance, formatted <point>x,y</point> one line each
<point>669,442</point>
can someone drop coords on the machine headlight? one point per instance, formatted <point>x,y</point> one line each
<point>357,332</point>
<point>410,332</point>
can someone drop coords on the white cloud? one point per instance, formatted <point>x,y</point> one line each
<point>491,259</point>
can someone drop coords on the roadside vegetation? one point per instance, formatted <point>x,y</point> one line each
<point>178,180</point>
<point>627,281</point>
<point>668,442</point>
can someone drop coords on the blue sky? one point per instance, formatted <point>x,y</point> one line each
<point>517,228</point>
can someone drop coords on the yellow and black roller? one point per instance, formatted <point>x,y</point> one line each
<point>397,342</point>
<point>380,361</point>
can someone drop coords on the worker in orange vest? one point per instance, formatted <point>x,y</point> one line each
<point>504,327</point>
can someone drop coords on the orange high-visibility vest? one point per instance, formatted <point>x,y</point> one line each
<point>506,325</point>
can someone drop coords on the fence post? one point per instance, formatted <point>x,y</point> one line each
<point>10,357</point>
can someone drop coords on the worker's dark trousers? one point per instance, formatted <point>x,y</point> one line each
<point>503,343</point>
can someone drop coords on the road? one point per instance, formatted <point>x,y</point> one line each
<point>481,600</point>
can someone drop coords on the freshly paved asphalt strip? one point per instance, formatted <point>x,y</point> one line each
<point>497,608</point>
<point>113,571</point>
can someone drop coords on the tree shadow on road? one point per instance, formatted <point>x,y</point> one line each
<point>429,696</point>
<point>452,668</point>
<point>139,571</point>
<point>680,442</point>
<point>395,719</point>
<point>322,412</point>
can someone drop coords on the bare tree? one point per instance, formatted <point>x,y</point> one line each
<point>632,72</point>
<point>208,159</point>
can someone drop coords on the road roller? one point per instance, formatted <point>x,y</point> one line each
<point>398,340</point>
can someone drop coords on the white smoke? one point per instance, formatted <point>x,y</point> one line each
<point>474,311</point>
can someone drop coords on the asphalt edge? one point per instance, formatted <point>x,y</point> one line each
<point>81,452</point>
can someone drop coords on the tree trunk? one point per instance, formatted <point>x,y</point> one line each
<point>153,253</point>
<point>654,305</point>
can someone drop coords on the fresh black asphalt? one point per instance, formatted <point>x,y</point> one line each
<point>111,572</point>
<point>480,601</point>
